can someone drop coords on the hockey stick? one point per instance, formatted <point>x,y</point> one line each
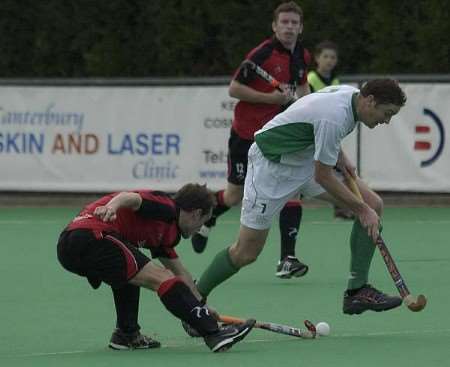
<point>248,65</point>
<point>415,304</point>
<point>276,328</point>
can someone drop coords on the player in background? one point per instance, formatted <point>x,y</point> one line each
<point>296,152</point>
<point>102,243</point>
<point>284,57</point>
<point>324,75</point>
<point>325,59</point>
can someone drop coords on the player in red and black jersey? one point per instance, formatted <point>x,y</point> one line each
<point>102,244</point>
<point>284,58</point>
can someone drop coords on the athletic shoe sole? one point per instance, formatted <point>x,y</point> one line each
<point>287,275</point>
<point>118,346</point>
<point>226,344</point>
<point>360,309</point>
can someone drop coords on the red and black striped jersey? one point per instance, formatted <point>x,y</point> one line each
<point>285,66</point>
<point>154,225</point>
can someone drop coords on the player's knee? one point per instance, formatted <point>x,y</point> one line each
<point>164,275</point>
<point>233,194</point>
<point>151,277</point>
<point>245,252</point>
<point>248,258</point>
<point>233,199</point>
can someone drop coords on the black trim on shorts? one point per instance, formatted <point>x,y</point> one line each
<point>237,158</point>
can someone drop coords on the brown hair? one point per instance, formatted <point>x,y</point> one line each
<point>194,196</point>
<point>289,7</point>
<point>384,91</point>
<point>325,45</point>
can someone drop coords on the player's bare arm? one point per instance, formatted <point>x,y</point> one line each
<point>324,175</point>
<point>107,212</point>
<point>248,94</point>
<point>345,165</point>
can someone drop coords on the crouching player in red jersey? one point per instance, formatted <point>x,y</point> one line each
<point>102,244</point>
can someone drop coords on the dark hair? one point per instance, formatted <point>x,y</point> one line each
<point>194,196</point>
<point>325,45</point>
<point>289,7</point>
<point>384,91</point>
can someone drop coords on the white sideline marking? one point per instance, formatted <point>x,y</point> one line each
<point>183,345</point>
<point>52,353</point>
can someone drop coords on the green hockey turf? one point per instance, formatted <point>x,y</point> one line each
<point>53,318</point>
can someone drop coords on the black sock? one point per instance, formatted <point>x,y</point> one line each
<point>218,210</point>
<point>126,300</point>
<point>181,302</point>
<point>290,218</point>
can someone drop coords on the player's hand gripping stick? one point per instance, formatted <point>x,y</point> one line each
<point>250,66</point>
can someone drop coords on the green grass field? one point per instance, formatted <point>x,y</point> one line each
<point>53,318</point>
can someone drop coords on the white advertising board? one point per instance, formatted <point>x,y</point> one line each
<point>87,139</point>
<point>411,154</point>
<point>102,139</point>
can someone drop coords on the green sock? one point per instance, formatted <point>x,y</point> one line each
<point>362,250</point>
<point>220,269</point>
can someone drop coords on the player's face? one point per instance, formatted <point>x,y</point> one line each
<point>287,28</point>
<point>193,222</point>
<point>377,114</point>
<point>327,60</point>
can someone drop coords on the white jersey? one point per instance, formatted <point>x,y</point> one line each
<point>311,129</point>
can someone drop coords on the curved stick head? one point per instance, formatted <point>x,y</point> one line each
<point>416,305</point>
<point>311,328</point>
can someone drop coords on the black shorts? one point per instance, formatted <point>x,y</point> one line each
<point>237,158</point>
<point>108,259</point>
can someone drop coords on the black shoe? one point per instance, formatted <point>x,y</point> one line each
<point>200,239</point>
<point>369,298</point>
<point>121,341</point>
<point>228,335</point>
<point>291,267</point>
<point>190,330</point>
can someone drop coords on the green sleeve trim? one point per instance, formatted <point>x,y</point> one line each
<point>285,139</point>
